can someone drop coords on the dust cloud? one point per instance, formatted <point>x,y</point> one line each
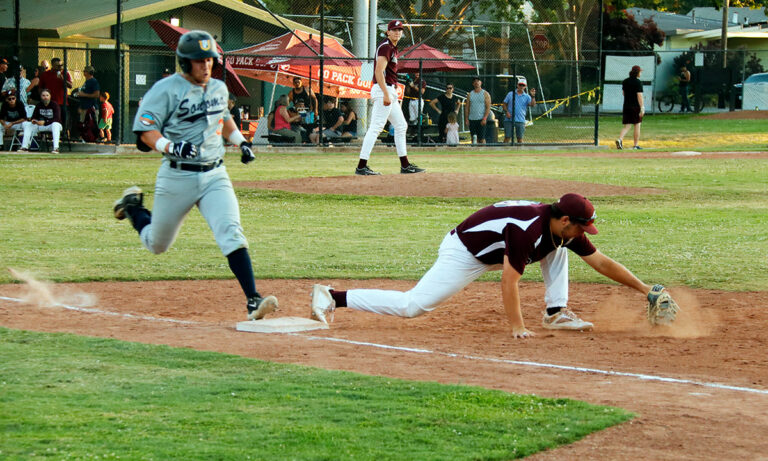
<point>45,294</point>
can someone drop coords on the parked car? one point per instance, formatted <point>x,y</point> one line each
<point>752,94</point>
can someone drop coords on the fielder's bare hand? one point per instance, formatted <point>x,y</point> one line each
<point>522,333</point>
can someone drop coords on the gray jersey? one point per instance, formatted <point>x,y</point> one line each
<point>182,111</point>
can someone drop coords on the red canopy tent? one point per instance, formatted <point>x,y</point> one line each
<point>281,59</point>
<point>170,35</point>
<point>432,59</point>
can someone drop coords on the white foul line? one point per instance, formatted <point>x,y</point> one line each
<point>445,354</point>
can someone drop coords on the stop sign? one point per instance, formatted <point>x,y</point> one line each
<point>540,43</point>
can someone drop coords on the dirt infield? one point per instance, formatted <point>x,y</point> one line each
<point>444,185</point>
<point>718,340</point>
<point>739,115</point>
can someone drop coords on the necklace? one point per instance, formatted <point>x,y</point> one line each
<point>552,237</point>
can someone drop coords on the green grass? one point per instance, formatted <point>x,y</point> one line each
<point>706,230</point>
<point>64,396</point>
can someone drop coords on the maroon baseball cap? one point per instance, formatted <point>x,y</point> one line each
<point>395,24</point>
<point>579,210</point>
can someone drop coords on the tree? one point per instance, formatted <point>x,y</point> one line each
<point>621,32</point>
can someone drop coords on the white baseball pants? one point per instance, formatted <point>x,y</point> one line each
<point>379,116</point>
<point>31,129</point>
<point>454,269</point>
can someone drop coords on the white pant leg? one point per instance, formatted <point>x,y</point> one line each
<point>454,269</point>
<point>219,207</point>
<point>176,192</point>
<point>30,130</point>
<point>397,119</point>
<point>379,116</point>
<point>554,269</point>
<point>55,129</point>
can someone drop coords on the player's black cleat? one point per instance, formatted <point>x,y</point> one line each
<point>365,171</point>
<point>411,168</point>
<point>258,307</point>
<point>132,197</point>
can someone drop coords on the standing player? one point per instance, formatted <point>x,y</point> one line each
<point>184,117</point>
<point>508,236</point>
<point>385,104</point>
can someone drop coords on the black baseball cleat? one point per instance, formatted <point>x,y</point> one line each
<point>132,197</point>
<point>411,168</point>
<point>258,307</point>
<point>365,171</point>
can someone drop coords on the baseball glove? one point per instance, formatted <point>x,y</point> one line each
<point>662,309</point>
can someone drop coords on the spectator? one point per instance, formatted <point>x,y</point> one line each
<point>234,111</point>
<point>349,127</point>
<point>451,133</point>
<point>411,93</point>
<point>12,116</point>
<point>3,70</point>
<point>45,65</point>
<point>685,80</point>
<point>634,108</point>
<point>449,102</point>
<point>283,120</point>
<point>10,86</point>
<point>166,72</point>
<point>46,118</point>
<point>56,81</point>
<point>333,118</point>
<point>516,104</point>
<point>34,86</point>
<point>88,94</point>
<point>300,93</point>
<point>478,108</point>
<point>307,116</point>
<point>106,111</point>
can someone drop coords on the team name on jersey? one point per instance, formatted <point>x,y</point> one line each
<point>47,113</point>
<point>185,109</point>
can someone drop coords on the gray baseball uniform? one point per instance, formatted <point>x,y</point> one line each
<point>182,111</point>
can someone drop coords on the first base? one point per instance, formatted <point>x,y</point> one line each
<point>281,325</point>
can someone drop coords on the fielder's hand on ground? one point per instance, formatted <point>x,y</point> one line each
<point>662,309</point>
<point>522,333</point>
<point>247,153</point>
<point>184,149</point>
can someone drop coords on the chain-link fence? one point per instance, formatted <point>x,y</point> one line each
<point>697,76</point>
<point>549,45</point>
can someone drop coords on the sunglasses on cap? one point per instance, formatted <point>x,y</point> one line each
<point>521,84</point>
<point>583,221</point>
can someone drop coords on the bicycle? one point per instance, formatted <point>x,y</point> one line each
<point>667,101</point>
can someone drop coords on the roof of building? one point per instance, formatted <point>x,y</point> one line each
<point>752,15</point>
<point>65,18</point>
<point>672,23</point>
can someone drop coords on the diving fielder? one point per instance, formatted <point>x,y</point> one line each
<point>184,117</point>
<point>385,105</point>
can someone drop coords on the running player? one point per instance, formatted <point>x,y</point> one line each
<point>385,104</point>
<point>184,117</point>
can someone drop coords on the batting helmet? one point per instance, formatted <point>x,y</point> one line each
<point>196,44</point>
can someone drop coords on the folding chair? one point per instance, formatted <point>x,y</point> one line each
<point>16,140</point>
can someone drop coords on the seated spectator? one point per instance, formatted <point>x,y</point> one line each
<point>349,127</point>
<point>105,118</point>
<point>12,116</point>
<point>10,86</point>
<point>34,87</point>
<point>333,118</point>
<point>46,118</point>
<point>234,111</point>
<point>283,120</point>
<point>307,116</point>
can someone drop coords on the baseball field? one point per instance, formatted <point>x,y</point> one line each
<point>108,351</point>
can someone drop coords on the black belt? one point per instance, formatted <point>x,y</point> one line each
<point>196,167</point>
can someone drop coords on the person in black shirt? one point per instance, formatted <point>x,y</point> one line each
<point>685,80</point>
<point>12,116</point>
<point>300,93</point>
<point>333,118</point>
<point>448,103</point>
<point>234,111</point>
<point>634,109</point>
<point>349,127</point>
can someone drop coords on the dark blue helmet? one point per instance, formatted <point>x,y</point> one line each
<point>196,44</point>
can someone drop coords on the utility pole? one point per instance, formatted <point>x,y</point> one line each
<point>724,34</point>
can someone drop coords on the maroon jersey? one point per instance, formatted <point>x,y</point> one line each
<point>518,229</point>
<point>389,51</point>
<point>50,113</point>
